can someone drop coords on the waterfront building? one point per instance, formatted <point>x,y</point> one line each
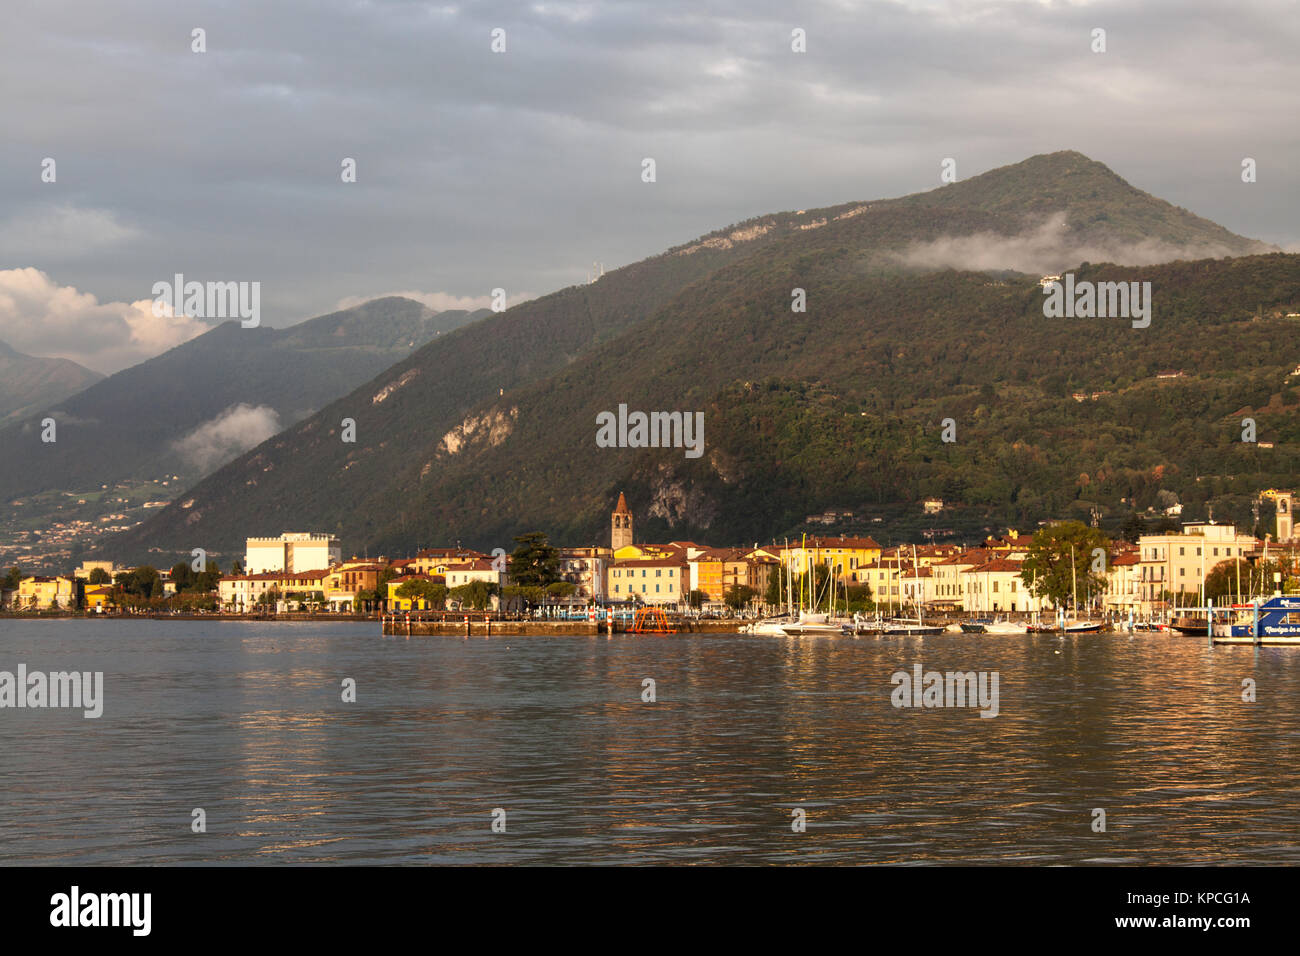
<point>585,569</point>
<point>916,586</point>
<point>849,558</point>
<point>243,593</point>
<point>949,585</point>
<point>996,587</point>
<point>98,597</point>
<point>1123,582</point>
<point>650,580</point>
<point>400,604</point>
<point>461,573</point>
<point>350,579</point>
<point>291,551</point>
<point>39,592</point>
<point>1178,563</point>
<point>437,560</point>
<point>715,571</point>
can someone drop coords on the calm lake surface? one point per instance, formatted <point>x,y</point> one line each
<point>247,721</point>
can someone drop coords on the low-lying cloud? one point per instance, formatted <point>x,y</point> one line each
<point>1047,248</point>
<point>227,436</point>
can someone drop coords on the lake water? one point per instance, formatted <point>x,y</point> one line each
<point>247,721</point>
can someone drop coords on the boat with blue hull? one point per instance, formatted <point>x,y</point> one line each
<point>1274,621</point>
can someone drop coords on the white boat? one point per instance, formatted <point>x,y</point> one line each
<point>768,627</point>
<point>1005,627</point>
<point>814,623</point>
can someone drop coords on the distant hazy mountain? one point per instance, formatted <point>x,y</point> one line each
<point>29,383</point>
<point>197,405</point>
<point>915,313</point>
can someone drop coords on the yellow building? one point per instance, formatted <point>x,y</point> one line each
<point>652,581</point>
<point>99,597</point>
<point>715,571</point>
<point>400,604</point>
<point>849,558</point>
<point>344,583</point>
<point>38,592</point>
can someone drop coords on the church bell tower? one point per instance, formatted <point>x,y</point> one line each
<point>620,525</point>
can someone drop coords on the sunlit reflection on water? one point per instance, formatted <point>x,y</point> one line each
<point>248,722</point>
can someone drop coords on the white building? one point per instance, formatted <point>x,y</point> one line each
<point>292,551</point>
<point>1178,563</point>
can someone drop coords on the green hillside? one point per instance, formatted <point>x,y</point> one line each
<point>126,426</point>
<point>29,383</point>
<point>491,430</point>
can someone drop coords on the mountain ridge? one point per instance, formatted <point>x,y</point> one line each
<point>399,479</point>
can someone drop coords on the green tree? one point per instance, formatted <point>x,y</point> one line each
<point>182,576</point>
<point>475,594</point>
<point>859,599</point>
<point>99,576</point>
<point>1061,558</point>
<point>738,595</point>
<point>207,579</point>
<point>697,598</point>
<point>534,563</point>
<point>775,593</point>
<point>1227,579</point>
<point>434,593</point>
<point>13,578</point>
<point>1132,528</point>
<point>560,589</point>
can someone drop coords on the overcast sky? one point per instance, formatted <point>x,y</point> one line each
<point>478,169</point>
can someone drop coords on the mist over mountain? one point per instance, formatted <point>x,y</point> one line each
<point>490,430</point>
<point>196,406</point>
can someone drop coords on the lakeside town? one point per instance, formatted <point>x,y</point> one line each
<point>1014,575</point>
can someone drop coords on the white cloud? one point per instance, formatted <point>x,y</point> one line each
<point>40,317</point>
<point>227,436</point>
<point>1048,248</point>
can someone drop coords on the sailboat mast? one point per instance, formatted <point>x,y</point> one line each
<point>916,596</point>
<point>1074,584</point>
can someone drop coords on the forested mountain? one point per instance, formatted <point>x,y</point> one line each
<point>180,411</point>
<point>491,430</point>
<point>29,382</point>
